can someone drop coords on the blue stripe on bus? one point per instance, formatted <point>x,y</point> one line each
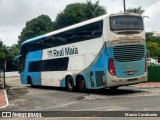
<point>101,65</point>
<point>36,76</point>
<point>33,39</point>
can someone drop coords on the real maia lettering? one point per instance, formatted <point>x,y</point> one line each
<point>62,52</point>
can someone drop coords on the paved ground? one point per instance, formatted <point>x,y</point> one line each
<point>3,101</point>
<point>131,98</point>
<point>13,82</point>
<point>16,86</point>
<point>148,84</point>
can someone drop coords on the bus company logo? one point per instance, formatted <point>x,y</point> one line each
<point>62,52</point>
<point>6,114</point>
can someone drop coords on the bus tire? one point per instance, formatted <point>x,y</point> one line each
<point>69,83</point>
<point>114,88</point>
<point>81,84</point>
<point>29,80</point>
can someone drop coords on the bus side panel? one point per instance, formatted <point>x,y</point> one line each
<point>78,61</point>
<point>36,75</point>
<point>95,75</point>
<point>52,78</point>
<point>23,78</point>
<point>36,78</point>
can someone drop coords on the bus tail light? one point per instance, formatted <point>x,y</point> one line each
<point>111,68</point>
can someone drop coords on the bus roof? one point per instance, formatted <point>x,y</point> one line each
<point>76,25</point>
<point>65,29</point>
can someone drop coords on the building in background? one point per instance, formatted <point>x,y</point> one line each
<point>155,33</point>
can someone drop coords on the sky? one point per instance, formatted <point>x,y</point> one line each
<point>15,13</point>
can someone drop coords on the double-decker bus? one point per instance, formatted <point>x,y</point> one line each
<point>107,51</point>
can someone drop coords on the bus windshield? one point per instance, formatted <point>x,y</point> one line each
<point>126,23</point>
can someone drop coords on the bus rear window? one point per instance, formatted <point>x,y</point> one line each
<point>126,23</point>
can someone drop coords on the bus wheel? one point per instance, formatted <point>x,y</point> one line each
<point>81,84</point>
<point>29,80</point>
<point>114,88</point>
<point>69,83</point>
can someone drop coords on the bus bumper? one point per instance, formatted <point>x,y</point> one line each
<point>114,81</point>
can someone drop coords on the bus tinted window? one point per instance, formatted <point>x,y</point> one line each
<point>126,23</point>
<point>86,32</point>
<point>59,64</point>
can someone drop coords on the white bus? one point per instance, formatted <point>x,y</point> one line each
<point>107,51</point>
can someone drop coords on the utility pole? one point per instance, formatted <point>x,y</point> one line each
<point>124,5</point>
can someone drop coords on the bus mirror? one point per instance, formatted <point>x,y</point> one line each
<point>16,59</point>
<point>15,63</point>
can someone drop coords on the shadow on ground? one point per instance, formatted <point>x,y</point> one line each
<point>108,92</point>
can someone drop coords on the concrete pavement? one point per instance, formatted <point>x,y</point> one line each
<point>14,82</point>
<point>148,84</point>
<point>55,99</point>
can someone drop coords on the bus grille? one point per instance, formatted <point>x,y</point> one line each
<point>128,53</point>
<point>99,78</point>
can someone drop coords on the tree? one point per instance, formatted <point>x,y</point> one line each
<point>150,37</point>
<point>1,43</point>
<point>138,10</point>
<point>70,15</point>
<point>149,34</point>
<point>7,52</point>
<point>14,50</point>
<point>35,27</point>
<point>78,12</point>
<point>152,46</point>
<point>93,10</point>
<point>4,51</point>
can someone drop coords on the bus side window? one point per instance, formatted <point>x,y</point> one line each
<point>97,33</point>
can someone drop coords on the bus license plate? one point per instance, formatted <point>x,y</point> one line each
<point>130,72</point>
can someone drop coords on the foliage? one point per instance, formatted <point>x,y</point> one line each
<point>35,27</point>
<point>5,52</point>
<point>70,15</point>
<point>73,13</point>
<point>150,37</point>
<point>149,34</point>
<point>78,12</point>
<point>93,10</point>
<point>138,10</point>
<point>153,45</point>
<point>9,52</point>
